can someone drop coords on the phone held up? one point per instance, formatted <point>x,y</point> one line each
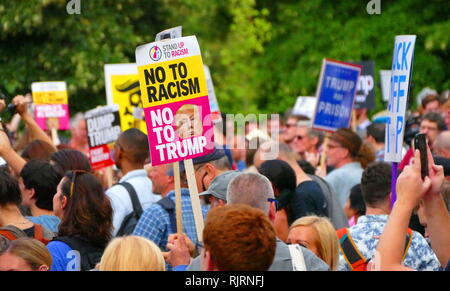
<point>420,143</point>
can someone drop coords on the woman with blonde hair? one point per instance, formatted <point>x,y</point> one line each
<point>319,236</point>
<point>25,254</point>
<point>132,253</point>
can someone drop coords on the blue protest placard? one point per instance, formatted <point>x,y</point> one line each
<point>336,95</point>
<point>399,90</point>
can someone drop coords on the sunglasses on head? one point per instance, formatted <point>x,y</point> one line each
<point>72,175</point>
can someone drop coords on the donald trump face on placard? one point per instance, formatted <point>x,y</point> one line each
<point>188,121</point>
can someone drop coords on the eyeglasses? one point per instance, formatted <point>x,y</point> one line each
<point>330,146</point>
<point>72,181</point>
<point>272,200</point>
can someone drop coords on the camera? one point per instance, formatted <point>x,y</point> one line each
<point>11,108</point>
<point>412,128</point>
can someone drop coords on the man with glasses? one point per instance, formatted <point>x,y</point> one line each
<point>130,152</point>
<point>307,140</point>
<point>255,190</point>
<point>431,124</point>
<point>289,130</point>
<point>209,167</point>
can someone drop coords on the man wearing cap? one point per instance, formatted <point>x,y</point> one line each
<point>217,194</point>
<point>208,167</point>
<point>255,190</point>
<point>217,190</point>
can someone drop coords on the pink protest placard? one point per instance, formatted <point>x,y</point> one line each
<point>175,99</point>
<point>51,105</point>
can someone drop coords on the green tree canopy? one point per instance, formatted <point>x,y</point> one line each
<point>262,53</point>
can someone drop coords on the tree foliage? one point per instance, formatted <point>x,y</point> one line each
<point>262,53</point>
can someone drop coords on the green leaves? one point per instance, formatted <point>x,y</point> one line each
<point>261,53</point>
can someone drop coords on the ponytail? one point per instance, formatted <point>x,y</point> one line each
<point>366,154</point>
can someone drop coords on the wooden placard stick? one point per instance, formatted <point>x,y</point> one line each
<point>178,208</point>
<point>195,200</point>
<point>354,121</point>
<point>323,156</point>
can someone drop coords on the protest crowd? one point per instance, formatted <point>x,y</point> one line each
<point>286,194</point>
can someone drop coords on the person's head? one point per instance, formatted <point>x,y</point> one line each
<point>132,253</point>
<point>283,180</point>
<point>376,133</point>
<point>209,166</point>
<point>441,146</point>
<point>9,190</point>
<point>38,181</point>
<point>69,160</point>
<point>432,124</point>
<point>345,146</point>
<point>290,127</point>
<point>78,129</point>
<point>25,254</point>
<point>188,121</point>
<point>430,104</point>
<point>307,139</point>
<point>271,150</point>
<point>217,190</point>
<point>254,190</point>
<point>319,236</point>
<point>355,205</point>
<point>445,109</point>
<point>38,149</point>
<point>162,182</point>
<point>83,208</point>
<point>376,185</point>
<point>238,238</point>
<point>131,149</point>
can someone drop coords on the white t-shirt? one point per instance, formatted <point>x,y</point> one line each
<point>121,201</point>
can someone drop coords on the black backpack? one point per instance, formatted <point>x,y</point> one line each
<point>169,206</point>
<point>131,220</point>
<point>90,255</point>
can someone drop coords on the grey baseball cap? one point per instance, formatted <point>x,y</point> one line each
<point>218,186</point>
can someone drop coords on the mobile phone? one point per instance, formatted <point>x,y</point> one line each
<point>420,143</point>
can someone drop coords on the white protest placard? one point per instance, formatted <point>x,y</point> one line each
<point>170,33</point>
<point>385,76</point>
<point>402,62</point>
<point>305,105</point>
<point>215,111</point>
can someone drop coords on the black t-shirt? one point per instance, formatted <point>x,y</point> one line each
<point>308,200</point>
<point>29,232</point>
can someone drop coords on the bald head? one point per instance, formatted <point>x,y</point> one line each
<point>441,145</point>
<point>134,144</point>
<point>251,189</point>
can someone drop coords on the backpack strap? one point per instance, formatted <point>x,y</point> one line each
<point>169,206</point>
<point>352,255</point>
<point>137,208</point>
<point>9,235</point>
<point>90,255</point>
<point>409,236</point>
